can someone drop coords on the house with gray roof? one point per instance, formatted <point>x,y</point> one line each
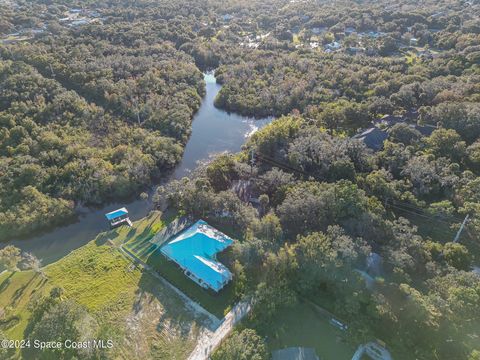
<point>373,138</point>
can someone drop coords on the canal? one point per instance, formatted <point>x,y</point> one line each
<point>213,131</point>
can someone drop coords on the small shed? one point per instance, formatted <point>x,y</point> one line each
<point>118,217</point>
<point>334,45</point>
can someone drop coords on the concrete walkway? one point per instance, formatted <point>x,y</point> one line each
<point>213,321</point>
<point>209,341</point>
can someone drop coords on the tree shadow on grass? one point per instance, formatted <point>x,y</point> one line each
<point>146,234</point>
<point>6,282</point>
<point>19,292</point>
<point>104,237</point>
<point>215,303</point>
<point>41,283</point>
<point>130,233</point>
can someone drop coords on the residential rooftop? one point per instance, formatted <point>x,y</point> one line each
<point>195,250</point>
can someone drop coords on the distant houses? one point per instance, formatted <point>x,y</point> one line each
<point>350,30</point>
<point>354,50</point>
<point>410,118</point>
<point>77,17</point>
<point>374,136</point>
<point>390,120</point>
<point>79,22</point>
<point>413,42</point>
<point>333,46</point>
<point>71,18</point>
<point>371,34</point>
<point>318,30</point>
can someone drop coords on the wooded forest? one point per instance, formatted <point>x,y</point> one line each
<point>101,110</point>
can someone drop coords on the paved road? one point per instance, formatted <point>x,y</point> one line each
<point>209,341</point>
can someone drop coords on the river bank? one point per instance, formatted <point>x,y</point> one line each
<point>213,131</point>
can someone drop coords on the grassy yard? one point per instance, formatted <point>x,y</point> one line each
<point>16,291</point>
<point>149,320</point>
<point>217,304</point>
<point>141,246</point>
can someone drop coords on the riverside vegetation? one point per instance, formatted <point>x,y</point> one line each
<point>100,110</point>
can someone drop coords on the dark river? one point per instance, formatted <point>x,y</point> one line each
<point>213,131</point>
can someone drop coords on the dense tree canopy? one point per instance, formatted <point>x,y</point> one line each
<point>312,233</point>
<point>98,107</point>
<point>87,118</point>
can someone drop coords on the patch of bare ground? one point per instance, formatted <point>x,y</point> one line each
<point>160,326</point>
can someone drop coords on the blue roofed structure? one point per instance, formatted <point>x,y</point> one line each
<point>195,249</point>
<point>118,217</point>
<point>117,213</point>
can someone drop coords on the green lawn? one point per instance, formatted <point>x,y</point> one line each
<point>96,276</point>
<point>117,294</point>
<point>16,291</point>
<point>217,304</point>
<point>140,245</point>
